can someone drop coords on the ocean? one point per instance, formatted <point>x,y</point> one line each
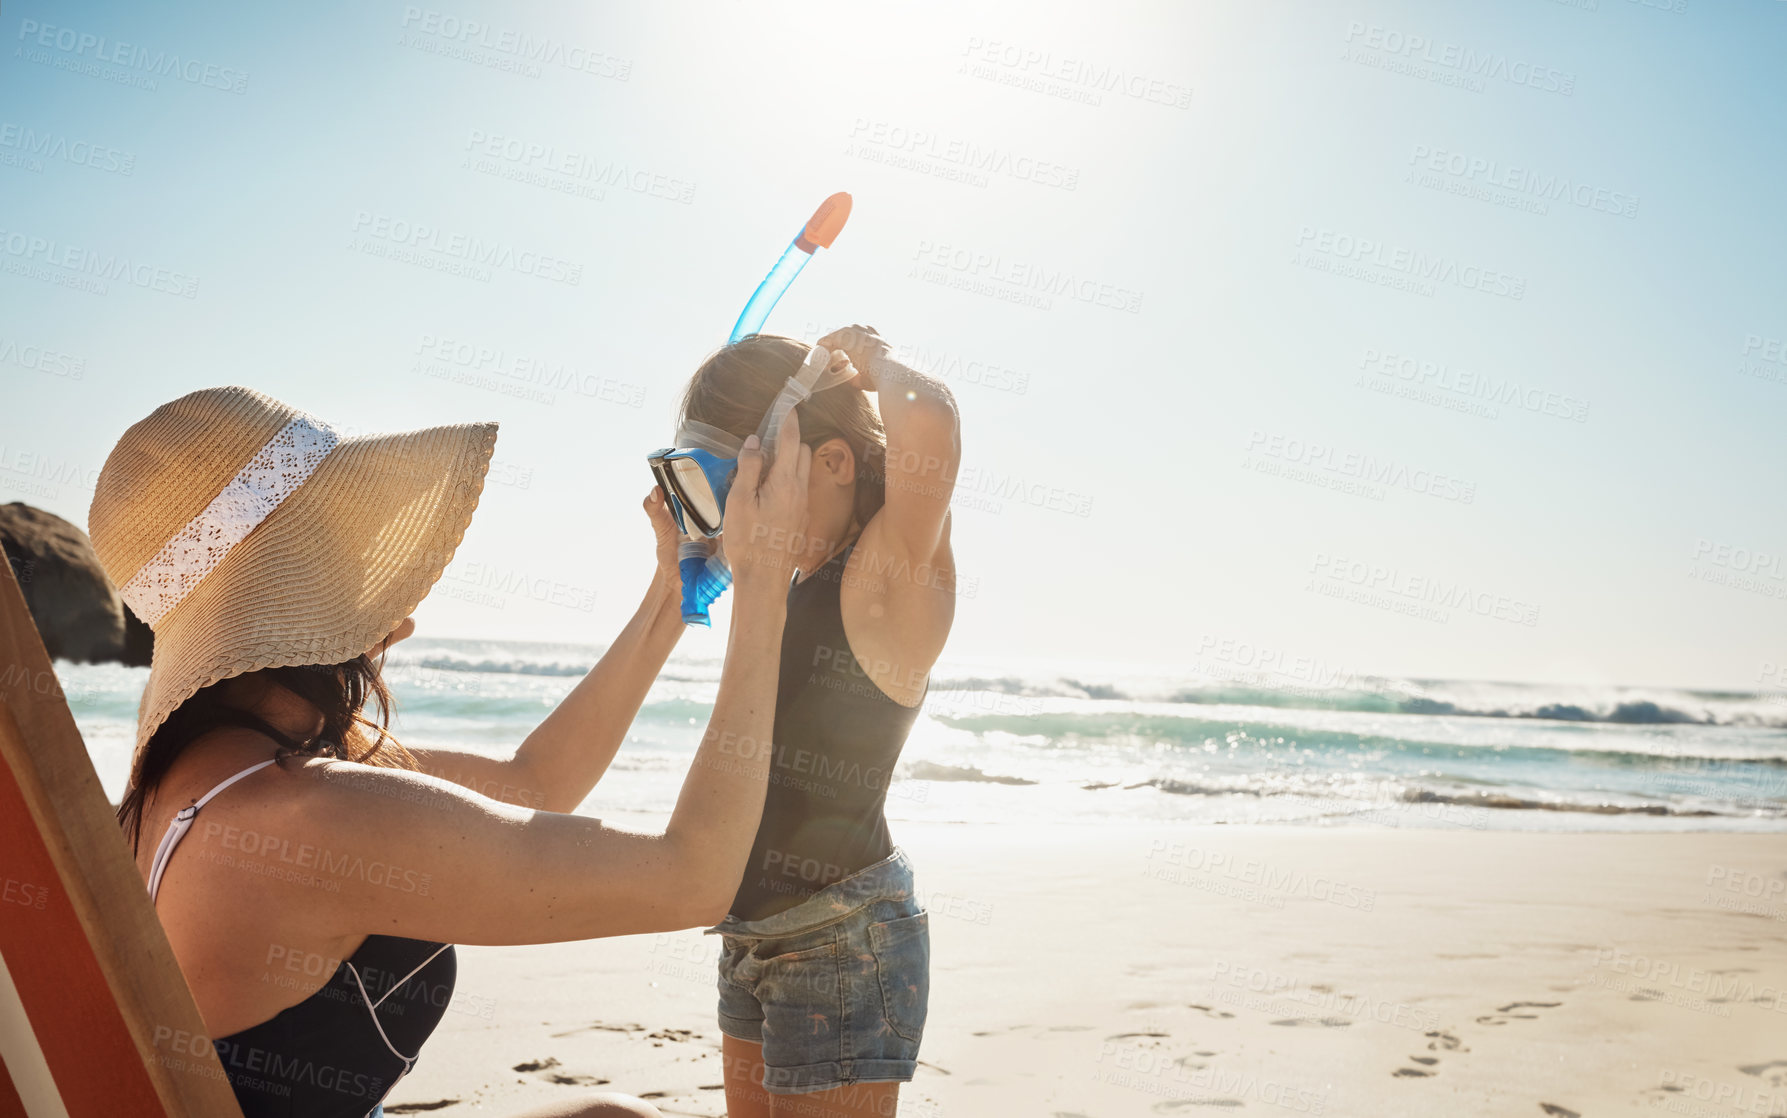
<point>1092,743</point>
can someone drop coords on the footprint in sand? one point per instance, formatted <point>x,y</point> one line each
<point>1557,1111</point>
<point>1444,1040</point>
<point>543,1069</point>
<point>602,1026</point>
<point>1762,1071</point>
<point>1734,970</point>
<point>1507,1013</point>
<point>1440,1040</point>
<point>1208,1011</point>
<point>578,1080</point>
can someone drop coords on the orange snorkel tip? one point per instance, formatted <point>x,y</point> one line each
<point>819,232</point>
<point>825,224</point>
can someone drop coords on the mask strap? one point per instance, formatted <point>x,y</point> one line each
<point>696,435</point>
<point>705,572</point>
<point>814,375</point>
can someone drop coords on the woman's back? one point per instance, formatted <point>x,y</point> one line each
<point>304,1024</point>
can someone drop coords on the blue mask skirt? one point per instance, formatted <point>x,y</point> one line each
<point>705,578</point>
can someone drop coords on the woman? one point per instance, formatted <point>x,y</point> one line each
<point>311,872</point>
<point>825,956</point>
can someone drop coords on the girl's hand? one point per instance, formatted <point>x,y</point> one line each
<point>862,345</point>
<point>766,510</point>
<point>669,576</point>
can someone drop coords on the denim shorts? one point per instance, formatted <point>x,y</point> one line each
<point>835,988</point>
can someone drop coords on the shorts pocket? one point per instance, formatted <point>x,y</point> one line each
<point>731,960</point>
<point>902,951</point>
<point>801,993</point>
<point>793,948</point>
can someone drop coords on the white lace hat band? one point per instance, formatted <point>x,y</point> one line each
<point>247,499</point>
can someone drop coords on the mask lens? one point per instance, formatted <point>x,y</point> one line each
<point>667,486</point>
<point>696,494</point>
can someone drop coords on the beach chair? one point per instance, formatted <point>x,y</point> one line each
<point>96,1020</point>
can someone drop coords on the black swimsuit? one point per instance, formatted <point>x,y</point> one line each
<point>327,1055</point>
<point>337,1053</point>
<point>837,739</point>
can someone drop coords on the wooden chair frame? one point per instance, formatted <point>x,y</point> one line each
<point>109,1013</point>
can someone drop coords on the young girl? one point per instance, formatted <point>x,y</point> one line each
<point>825,957</point>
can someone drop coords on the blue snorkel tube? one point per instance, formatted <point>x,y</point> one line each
<point>770,290</point>
<point>819,232</point>
<point>706,575</point>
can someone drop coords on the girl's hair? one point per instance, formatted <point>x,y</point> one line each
<point>735,387</point>
<point>338,691</point>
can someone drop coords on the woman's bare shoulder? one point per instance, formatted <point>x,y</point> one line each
<point>299,803</point>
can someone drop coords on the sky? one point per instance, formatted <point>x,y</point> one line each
<point>1441,340</point>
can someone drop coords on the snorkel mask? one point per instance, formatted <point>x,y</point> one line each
<point>696,474</point>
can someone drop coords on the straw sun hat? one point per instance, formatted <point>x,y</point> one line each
<point>249,534</point>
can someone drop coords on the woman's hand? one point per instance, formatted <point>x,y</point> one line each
<point>863,346</point>
<point>766,511</point>
<point>669,576</point>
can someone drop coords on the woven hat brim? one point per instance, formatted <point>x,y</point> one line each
<point>331,571</point>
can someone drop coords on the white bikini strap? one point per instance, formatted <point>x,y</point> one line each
<point>372,1006</point>
<point>410,975</point>
<point>409,1062</point>
<point>182,823</point>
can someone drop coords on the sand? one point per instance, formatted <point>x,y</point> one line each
<point>1166,969</point>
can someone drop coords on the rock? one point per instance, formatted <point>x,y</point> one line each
<point>77,609</point>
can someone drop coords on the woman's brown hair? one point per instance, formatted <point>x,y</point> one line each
<point>735,387</point>
<point>338,691</point>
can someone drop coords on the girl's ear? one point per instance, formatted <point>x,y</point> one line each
<point>833,457</point>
